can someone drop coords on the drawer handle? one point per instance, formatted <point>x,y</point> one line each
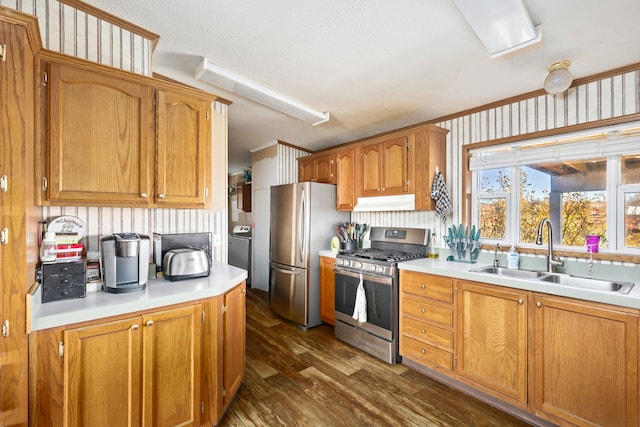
<point>424,331</point>
<point>423,286</point>
<point>520,301</point>
<point>134,326</point>
<point>424,310</point>
<point>423,351</point>
<point>64,269</point>
<point>149,323</point>
<point>144,195</point>
<point>64,281</point>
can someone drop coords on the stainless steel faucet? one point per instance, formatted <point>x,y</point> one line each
<point>552,260</point>
<point>495,255</point>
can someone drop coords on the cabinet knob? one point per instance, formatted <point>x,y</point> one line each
<point>423,286</point>
<point>424,331</point>
<point>424,310</point>
<point>149,323</point>
<point>423,351</point>
<point>160,196</point>
<point>520,301</point>
<point>144,195</point>
<point>538,304</point>
<point>134,326</point>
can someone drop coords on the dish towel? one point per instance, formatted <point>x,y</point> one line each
<point>440,195</point>
<point>360,309</point>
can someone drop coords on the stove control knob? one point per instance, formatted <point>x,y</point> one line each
<point>381,269</point>
<point>372,267</point>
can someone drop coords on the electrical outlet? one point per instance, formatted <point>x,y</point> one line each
<point>217,240</point>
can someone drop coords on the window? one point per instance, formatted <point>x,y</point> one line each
<point>589,184</point>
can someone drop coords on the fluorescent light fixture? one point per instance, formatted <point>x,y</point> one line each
<point>503,26</point>
<point>215,75</point>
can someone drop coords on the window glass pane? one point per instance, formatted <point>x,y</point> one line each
<point>583,212</point>
<point>632,220</point>
<point>535,186</point>
<point>631,169</point>
<point>570,193</point>
<point>493,218</point>
<point>493,181</point>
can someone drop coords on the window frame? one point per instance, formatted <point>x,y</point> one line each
<point>608,147</point>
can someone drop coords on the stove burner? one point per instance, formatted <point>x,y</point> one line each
<point>382,255</point>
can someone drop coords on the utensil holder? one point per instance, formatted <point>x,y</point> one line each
<point>348,246</point>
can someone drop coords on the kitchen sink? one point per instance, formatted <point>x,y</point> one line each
<point>501,271</point>
<point>589,283</point>
<point>559,279</point>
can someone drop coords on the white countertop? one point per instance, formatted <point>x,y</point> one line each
<point>460,270</point>
<point>159,293</point>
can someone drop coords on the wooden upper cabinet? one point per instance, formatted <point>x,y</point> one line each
<point>183,151</point>
<point>99,147</point>
<point>316,169</point>
<point>345,162</point>
<point>383,167</point>
<point>114,138</point>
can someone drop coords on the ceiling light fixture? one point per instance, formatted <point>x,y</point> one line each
<point>503,26</point>
<point>559,78</point>
<point>215,75</point>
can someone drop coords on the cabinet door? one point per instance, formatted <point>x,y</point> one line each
<point>370,166</point>
<point>172,367</point>
<point>99,147</point>
<point>17,254</point>
<point>585,363</point>
<point>345,180</point>
<point>103,375</point>
<point>183,151</point>
<point>323,169</point>
<point>492,340</point>
<point>305,169</point>
<point>234,323</point>
<point>327,290</point>
<point>394,166</point>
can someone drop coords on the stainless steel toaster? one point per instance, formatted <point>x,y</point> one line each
<point>185,263</point>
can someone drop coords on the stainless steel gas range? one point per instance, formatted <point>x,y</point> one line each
<point>370,276</point>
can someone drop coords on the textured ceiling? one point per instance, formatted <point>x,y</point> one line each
<point>375,65</point>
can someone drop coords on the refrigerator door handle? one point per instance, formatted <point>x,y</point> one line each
<point>302,229</point>
<point>284,271</point>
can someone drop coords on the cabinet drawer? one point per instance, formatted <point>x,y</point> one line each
<point>63,268</point>
<point>428,312</point>
<point>63,280</point>
<point>428,333</point>
<point>65,292</point>
<point>425,353</point>
<point>434,287</point>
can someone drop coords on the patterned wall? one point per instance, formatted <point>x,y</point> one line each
<point>65,29</point>
<point>610,97</point>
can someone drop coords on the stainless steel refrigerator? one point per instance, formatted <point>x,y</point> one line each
<point>303,221</point>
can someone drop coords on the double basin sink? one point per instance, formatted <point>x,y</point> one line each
<point>557,278</point>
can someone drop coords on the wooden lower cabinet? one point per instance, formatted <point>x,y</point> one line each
<point>585,363</point>
<point>566,361</point>
<point>224,346</point>
<point>492,340</point>
<point>327,290</point>
<point>179,366</point>
<point>427,317</point>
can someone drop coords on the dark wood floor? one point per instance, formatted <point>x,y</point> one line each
<point>308,378</point>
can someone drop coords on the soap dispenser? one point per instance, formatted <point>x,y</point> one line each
<point>513,258</point>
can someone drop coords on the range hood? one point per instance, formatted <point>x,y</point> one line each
<point>405,202</point>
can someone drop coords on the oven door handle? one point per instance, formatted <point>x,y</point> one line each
<point>365,276</point>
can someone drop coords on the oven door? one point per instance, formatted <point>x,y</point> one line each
<point>382,301</point>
